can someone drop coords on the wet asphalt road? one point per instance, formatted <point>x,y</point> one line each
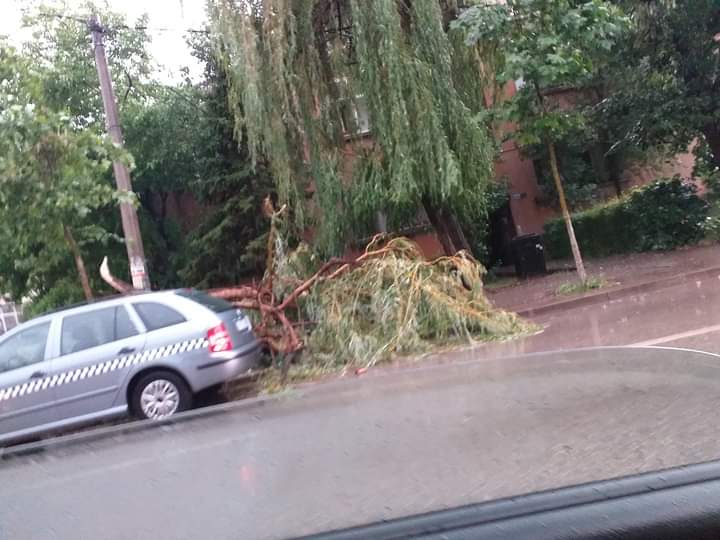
<point>377,447</point>
<point>471,426</point>
<point>684,316</point>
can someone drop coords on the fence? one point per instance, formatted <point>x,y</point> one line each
<point>10,315</point>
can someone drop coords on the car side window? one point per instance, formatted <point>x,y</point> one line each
<point>124,327</point>
<point>156,316</point>
<point>87,330</point>
<point>25,348</point>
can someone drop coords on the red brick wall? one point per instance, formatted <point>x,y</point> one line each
<point>427,242</point>
<point>523,190</point>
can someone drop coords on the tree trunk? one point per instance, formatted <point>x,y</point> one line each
<point>342,118</point>
<point>712,135</point>
<point>457,235</point>
<point>566,213</point>
<point>79,263</point>
<point>440,227</point>
<point>381,222</point>
<point>604,166</point>
<point>613,164</point>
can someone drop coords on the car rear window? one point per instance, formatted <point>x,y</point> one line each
<point>87,330</point>
<point>156,316</point>
<point>218,305</point>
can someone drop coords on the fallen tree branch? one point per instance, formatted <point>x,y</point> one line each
<point>117,284</point>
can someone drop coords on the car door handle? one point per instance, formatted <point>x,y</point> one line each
<point>38,375</point>
<point>126,350</point>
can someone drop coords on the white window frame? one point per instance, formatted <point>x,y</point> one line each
<point>11,318</point>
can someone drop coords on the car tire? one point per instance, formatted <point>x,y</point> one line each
<point>159,395</point>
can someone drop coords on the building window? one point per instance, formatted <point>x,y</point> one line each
<point>354,110</point>
<point>10,315</point>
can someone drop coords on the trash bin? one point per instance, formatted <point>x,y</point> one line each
<point>529,255</point>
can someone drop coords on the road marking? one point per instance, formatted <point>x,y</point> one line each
<point>679,335</point>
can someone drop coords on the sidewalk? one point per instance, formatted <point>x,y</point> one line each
<point>624,274</point>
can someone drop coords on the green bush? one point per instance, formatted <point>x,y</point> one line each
<point>662,215</point>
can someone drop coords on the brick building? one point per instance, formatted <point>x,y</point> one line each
<point>10,315</point>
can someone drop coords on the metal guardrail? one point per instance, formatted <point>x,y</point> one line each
<point>10,315</point>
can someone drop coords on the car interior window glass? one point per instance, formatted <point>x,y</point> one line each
<point>87,330</point>
<point>25,348</point>
<point>218,305</point>
<point>124,326</point>
<point>156,316</point>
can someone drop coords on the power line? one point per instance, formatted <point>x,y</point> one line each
<point>105,28</point>
<point>61,16</point>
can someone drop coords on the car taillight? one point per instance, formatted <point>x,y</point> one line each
<point>219,339</point>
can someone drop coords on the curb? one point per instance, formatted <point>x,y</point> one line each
<point>620,292</point>
<point>127,427</point>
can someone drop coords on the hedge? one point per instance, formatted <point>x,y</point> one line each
<point>661,215</point>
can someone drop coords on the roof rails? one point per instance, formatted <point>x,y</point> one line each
<point>94,301</point>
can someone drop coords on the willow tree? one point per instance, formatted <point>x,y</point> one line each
<point>299,70</point>
<point>548,44</point>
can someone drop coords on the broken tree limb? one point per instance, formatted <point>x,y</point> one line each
<point>117,284</point>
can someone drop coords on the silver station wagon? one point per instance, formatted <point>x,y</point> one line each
<point>146,354</point>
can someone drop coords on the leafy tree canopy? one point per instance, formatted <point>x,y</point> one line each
<point>663,86</point>
<point>546,44</point>
<point>299,70</point>
<point>61,45</point>
<point>52,179</point>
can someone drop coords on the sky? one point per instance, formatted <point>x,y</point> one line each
<point>168,47</point>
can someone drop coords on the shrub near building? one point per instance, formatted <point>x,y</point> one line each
<point>661,215</point>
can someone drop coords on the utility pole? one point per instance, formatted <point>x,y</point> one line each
<point>130,224</point>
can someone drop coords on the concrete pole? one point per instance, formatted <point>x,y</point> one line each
<point>130,224</point>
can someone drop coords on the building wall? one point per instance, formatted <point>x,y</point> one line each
<point>10,315</point>
<point>679,164</point>
<point>523,190</point>
<point>519,173</point>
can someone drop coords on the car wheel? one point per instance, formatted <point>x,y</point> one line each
<point>160,394</point>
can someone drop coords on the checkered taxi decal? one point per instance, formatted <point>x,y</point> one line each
<point>87,372</point>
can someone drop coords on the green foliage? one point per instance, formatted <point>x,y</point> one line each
<point>52,176</point>
<point>181,139</point>
<point>398,303</point>
<point>56,170</point>
<point>580,179</point>
<point>432,144</point>
<point>61,45</point>
<point>229,245</point>
<point>706,170</point>
<point>575,287</point>
<point>662,86</point>
<point>64,292</point>
<point>297,68</point>
<point>662,215</point>
<point>224,249</point>
<point>475,222</point>
<point>548,44</point>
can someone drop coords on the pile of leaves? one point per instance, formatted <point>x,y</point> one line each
<point>355,312</point>
<point>397,302</point>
